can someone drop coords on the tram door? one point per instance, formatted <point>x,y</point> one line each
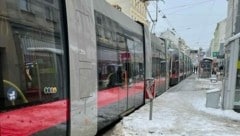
<point>132,69</point>
<point>128,82</point>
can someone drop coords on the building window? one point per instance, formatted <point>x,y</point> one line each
<point>24,5</point>
<point>49,13</point>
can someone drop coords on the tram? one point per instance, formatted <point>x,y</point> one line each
<point>206,67</point>
<point>120,63</point>
<point>73,67</point>
<point>180,67</point>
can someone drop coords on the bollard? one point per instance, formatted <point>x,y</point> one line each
<point>151,107</point>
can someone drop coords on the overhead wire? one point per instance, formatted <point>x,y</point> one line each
<point>185,6</point>
<point>208,17</point>
<point>154,21</point>
<point>149,14</point>
<point>190,4</point>
<point>168,21</point>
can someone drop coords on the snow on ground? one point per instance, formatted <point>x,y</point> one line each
<point>181,111</point>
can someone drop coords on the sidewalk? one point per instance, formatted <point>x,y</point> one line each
<point>181,111</point>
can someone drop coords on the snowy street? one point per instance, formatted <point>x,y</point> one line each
<point>181,111</point>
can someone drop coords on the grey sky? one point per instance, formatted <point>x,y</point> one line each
<point>194,20</point>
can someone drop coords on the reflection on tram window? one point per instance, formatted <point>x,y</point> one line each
<point>120,58</point>
<point>32,66</point>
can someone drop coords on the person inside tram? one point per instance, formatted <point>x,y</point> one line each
<point>112,76</point>
<point>119,75</point>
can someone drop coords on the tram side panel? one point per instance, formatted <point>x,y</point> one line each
<point>33,54</point>
<point>83,75</point>
<point>120,63</point>
<point>148,53</point>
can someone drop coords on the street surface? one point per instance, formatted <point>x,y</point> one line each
<point>181,111</point>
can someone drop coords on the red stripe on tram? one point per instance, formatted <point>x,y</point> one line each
<point>112,95</point>
<point>27,121</point>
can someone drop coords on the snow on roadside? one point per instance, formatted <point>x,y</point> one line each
<point>199,103</point>
<point>180,111</point>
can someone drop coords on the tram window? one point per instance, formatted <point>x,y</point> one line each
<point>114,37</point>
<point>162,67</point>
<point>49,13</point>
<point>33,64</point>
<point>98,18</point>
<point>121,42</point>
<point>107,67</point>
<point>155,67</point>
<point>103,20</point>
<point>109,23</point>
<point>24,5</point>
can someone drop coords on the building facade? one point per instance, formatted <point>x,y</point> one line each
<point>219,39</point>
<point>233,18</point>
<point>216,50</point>
<point>172,38</point>
<point>135,9</point>
<point>183,46</point>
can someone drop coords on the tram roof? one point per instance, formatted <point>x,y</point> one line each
<point>208,58</point>
<point>105,8</point>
